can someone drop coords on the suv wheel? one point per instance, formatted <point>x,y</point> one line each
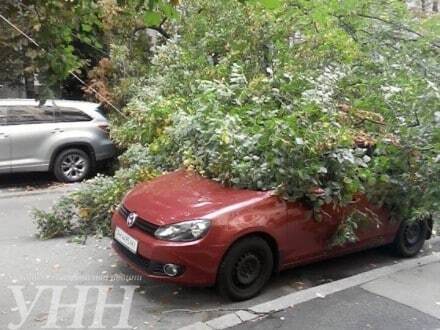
<point>72,165</point>
<point>410,238</point>
<point>245,269</point>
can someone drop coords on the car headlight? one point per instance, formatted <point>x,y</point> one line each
<point>186,231</point>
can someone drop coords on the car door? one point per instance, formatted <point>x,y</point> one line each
<point>5,143</point>
<point>375,226</point>
<point>310,236</point>
<point>314,238</point>
<point>31,128</point>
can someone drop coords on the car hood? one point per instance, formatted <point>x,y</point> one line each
<point>184,195</point>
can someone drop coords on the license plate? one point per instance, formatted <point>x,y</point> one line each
<point>126,240</point>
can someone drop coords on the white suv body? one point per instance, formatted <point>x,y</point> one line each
<point>66,137</point>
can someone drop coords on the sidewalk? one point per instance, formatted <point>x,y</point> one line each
<point>20,191</point>
<point>408,299</point>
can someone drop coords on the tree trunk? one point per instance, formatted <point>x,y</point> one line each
<point>435,6</point>
<point>29,79</point>
<point>423,3</point>
<point>29,83</point>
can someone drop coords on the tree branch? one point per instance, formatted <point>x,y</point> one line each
<point>400,26</point>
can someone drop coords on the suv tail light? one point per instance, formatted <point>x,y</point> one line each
<point>105,128</point>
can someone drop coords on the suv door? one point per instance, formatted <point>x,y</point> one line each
<point>5,144</point>
<point>31,127</point>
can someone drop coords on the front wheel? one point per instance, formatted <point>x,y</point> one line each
<point>245,269</point>
<point>72,165</point>
<point>410,238</point>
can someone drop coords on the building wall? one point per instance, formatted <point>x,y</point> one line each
<point>13,92</point>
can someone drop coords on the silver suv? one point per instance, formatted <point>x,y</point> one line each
<point>66,137</point>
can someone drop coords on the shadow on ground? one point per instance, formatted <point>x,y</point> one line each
<point>27,181</point>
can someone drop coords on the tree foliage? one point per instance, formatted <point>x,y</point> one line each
<point>66,31</point>
<point>318,100</point>
<point>73,36</point>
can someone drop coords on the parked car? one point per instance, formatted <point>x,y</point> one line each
<point>67,138</point>
<point>184,228</point>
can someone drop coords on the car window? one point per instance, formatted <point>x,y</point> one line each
<point>3,116</point>
<point>21,115</point>
<point>71,115</point>
<point>101,110</point>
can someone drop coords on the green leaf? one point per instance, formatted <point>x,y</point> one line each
<point>151,18</point>
<point>86,27</point>
<point>271,4</point>
<point>168,10</point>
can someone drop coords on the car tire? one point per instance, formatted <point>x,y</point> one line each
<point>410,238</point>
<point>72,165</point>
<point>245,269</point>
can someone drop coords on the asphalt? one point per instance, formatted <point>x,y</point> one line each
<point>408,299</point>
<point>351,309</point>
<point>29,262</point>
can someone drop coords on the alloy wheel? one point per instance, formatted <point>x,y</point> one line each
<point>74,166</point>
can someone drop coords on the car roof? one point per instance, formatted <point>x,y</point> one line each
<point>82,105</point>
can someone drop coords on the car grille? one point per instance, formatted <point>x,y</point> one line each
<point>142,224</point>
<point>145,264</point>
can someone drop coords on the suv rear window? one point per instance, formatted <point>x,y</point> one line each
<point>70,115</point>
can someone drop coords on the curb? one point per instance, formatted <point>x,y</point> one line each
<point>320,291</point>
<point>45,191</point>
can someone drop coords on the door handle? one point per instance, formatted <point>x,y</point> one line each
<point>57,130</point>
<point>3,135</point>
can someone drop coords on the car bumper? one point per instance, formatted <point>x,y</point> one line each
<point>105,150</point>
<point>199,260</point>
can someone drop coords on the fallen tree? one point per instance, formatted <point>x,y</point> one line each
<point>318,101</point>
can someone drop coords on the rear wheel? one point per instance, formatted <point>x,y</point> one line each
<point>410,238</point>
<point>72,165</point>
<point>245,269</point>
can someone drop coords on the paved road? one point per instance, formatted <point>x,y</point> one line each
<point>31,263</point>
<point>405,300</point>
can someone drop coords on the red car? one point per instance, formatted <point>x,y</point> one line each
<point>187,229</point>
